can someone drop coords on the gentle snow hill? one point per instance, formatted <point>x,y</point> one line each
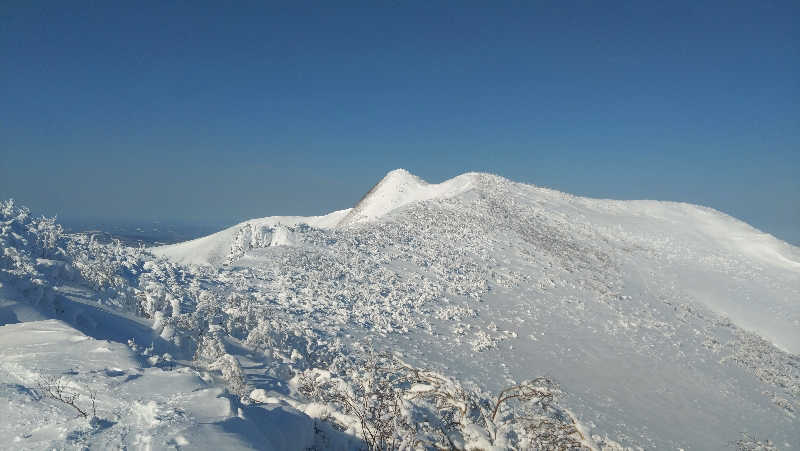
<point>212,249</point>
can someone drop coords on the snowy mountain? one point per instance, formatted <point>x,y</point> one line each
<point>665,325</point>
<point>215,248</point>
<point>400,188</point>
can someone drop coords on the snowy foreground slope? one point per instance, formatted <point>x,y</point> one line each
<point>138,406</point>
<point>665,326</point>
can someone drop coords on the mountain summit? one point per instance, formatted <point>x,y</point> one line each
<point>655,316</point>
<point>399,188</point>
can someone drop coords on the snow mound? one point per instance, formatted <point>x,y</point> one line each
<point>399,188</point>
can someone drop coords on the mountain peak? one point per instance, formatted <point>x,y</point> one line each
<point>399,188</point>
<point>400,174</point>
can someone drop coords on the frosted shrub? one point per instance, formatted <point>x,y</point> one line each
<point>748,443</point>
<point>211,354</point>
<point>371,398</point>
<point>398,406</point>
<point>48,234</point>
<point>100,265</point>
<point>60,390</point>
<point>21,245</point>
<point>249,236</point>
<point>231,372</point>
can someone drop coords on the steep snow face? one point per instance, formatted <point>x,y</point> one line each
<point>399,188</point>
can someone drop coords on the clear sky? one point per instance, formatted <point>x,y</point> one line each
<point>210,113</point>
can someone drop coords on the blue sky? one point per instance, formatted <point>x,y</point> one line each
<point>201,112</point>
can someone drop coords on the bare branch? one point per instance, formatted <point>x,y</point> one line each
<point>57,389</point>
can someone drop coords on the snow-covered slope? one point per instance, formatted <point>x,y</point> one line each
<point>396,189</point>
<point>667,325</point>
<point>656,316</point>
<point>399,188</point>
<point>214,248</point>
<point>79,371</point>
<point>700,237</point>
<point>136,405</point>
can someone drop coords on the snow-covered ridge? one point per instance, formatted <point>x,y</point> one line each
<point>399,188</point>
<point>682,234</point>
<point>215,248</point>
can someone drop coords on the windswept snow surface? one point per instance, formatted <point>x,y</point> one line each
<point>693,241</point>
<point>667,325</point>
<point>138,406</point>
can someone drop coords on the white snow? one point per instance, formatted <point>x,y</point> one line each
<point>399,188</point>
<point>281,236</point>
<point>667,325</point>
<point>212,249</point>
<point>702,231</point>
<point>137,406</point>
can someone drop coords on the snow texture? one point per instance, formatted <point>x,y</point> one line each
<point>665,325</point>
